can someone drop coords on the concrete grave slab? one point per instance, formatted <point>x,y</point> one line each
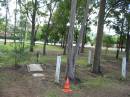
<point>34,67</point>
<point>38,75</point>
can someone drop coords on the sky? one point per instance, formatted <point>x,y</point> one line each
<point>11,10</point>
<point>11,17</point>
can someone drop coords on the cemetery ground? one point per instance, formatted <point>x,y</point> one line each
<point>20,83</point>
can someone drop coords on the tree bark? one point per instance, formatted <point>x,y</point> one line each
<point>83,43</point>
<point>35,34</point>
<point>127,45</point>
<point>33,26</point>
<point>72,54</point>
<point>70,66</point>
<point>46,35</point>
<point>6,24</point>
<point>80,38</point>
<point>48,26</point>
<point>15,24</point>
<point>97,54</point>
<point>65,43</point>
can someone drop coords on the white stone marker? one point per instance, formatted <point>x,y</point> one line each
<point>34,67</point>
<point>58,64</point>
<point>124,67</point>
<point>89,56</point>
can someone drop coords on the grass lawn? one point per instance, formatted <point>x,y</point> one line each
<point>20,83</point>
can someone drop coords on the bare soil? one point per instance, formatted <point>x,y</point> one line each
<point>20,83</point>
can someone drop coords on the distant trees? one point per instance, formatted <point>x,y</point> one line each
<point>50,8</point>
<point>6,18</point>
<point>4,3</point>
<point>109,41</point>
<point>121,25</point>
<point>60,21</point>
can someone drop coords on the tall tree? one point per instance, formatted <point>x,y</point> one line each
<point>70,66</point>
<point>97,54</point>
<point>33,24</point>
<point>15,27</point>
<point>73,52</point>
<point>51,8</point>
<point>60,20</point>
<point>128,39</point>
<point>6,19</point>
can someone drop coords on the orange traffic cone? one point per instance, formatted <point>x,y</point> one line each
<point>67,86</point>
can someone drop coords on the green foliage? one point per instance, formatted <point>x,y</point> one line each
<point>2,24</point>
<point>109,40</point>
<point>61,18</point>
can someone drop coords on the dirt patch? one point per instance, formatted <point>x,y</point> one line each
<point>20,83</point>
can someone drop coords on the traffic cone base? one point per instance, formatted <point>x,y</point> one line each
<point>67,87</point>
<point>67,90</point>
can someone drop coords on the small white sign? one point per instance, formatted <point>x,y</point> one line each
<point>58,64</point>
<point>124,67</point>
<point>89,56</point>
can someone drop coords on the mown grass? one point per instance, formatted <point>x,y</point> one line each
<point>7,55</point>
<point>88,82</point>
<point>99,82</point>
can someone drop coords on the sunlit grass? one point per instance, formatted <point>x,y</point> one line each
<point>99,82</point>
<point>7,55</point>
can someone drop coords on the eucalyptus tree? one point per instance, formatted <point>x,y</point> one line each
<point>15,29</point>
<point>73,51</point>
<point>80,16</point>
<point>120,24</point>
<point>50,5</point>
<point>128,39</point>
<point>97,54</point>
<point>5,3</point>
<point>70,66</point>
<point>33,10</point>
<point>7,10</point>
<point>60,21</point>
<point>34,3</point>
<point>2,25</point>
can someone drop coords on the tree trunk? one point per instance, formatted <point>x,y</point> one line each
<point>83,43</point>
<point>72,54</point>
<point>117,53</point>
<point>80,38</point>
<point>70,67</point>
<point>127,45</point>
<point>33,26</point>
<point>62,40</point>
<point>35,34</point>
<point>6,24</point>
<point>46,35</point>
<point>97,55</point>
<point>48,26</point>
<point>65,43</point>
<point>15,24</point>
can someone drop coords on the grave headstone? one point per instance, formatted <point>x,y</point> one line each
<point>58,64</point>
<point>38,75</point>
<point>34,67</point>
<point>90,57</point>
<point>124,67</point>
